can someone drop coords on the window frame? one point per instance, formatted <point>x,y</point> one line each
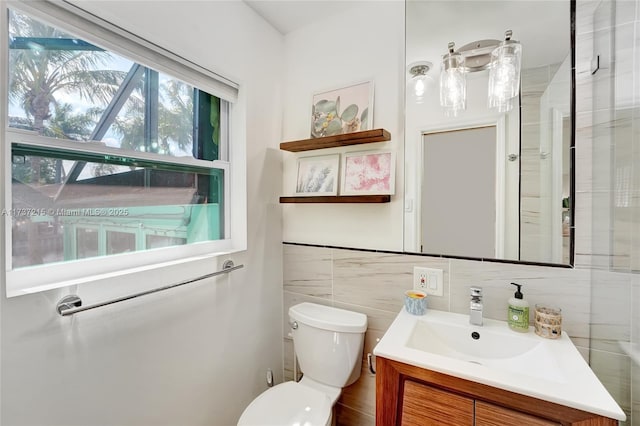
<point>97,31</point>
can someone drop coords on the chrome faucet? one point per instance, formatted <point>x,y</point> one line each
<point>475,306</point>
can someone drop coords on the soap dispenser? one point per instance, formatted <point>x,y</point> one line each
<point>518,315</point>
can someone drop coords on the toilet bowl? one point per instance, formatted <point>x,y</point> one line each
<point>328,343</point>
<point>289,403</point>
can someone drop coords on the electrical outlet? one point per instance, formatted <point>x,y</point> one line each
<point>419,278</point>
<point>428,280</point>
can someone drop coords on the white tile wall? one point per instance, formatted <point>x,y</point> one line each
<point>635,340</point>
<point>373,283</point>
<point>611,97</point>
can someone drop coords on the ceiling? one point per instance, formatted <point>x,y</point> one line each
<point>289,15</point>
<point>542,26</point>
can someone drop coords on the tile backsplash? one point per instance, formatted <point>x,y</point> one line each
<point>373,283</point>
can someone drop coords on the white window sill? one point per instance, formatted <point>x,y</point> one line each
<point>136,279</point>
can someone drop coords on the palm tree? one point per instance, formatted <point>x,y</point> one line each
<point>176,118</point>
<point>38,75</point>
<point>41,75</point>
<point>65,124</point>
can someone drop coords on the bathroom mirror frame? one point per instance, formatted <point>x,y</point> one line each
<point>411,219</point>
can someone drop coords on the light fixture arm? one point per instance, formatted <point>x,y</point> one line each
<point>452,59</point>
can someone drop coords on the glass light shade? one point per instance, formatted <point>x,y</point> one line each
<point>504,75</point>
<point>453,84</point>
<point>419,86</point>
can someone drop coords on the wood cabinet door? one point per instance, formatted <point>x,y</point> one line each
<point>493,415</point>
<point>427,406</point>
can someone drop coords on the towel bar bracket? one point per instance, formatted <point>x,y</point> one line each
<point>68,302</point>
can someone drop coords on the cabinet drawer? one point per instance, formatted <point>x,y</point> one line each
<point>413,396</point>
<point>427,406</point>
<point>493,415</point>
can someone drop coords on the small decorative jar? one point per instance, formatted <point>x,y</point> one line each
<point>548,321</point>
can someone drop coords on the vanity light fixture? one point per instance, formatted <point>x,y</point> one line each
<point>453,82</point>
<point>502,58</point>
<point>419,82</point>
<point>504,75</point>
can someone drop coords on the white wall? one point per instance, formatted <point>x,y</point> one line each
<point>196,355</point>
<point>363,43</point>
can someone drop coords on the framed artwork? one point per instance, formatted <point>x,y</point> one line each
<point>368,172</point>
<point>318,175</point>
<point>344,110</point>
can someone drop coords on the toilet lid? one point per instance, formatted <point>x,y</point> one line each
<point>288,404</point>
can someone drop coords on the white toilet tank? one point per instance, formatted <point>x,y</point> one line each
<point>328,342</point>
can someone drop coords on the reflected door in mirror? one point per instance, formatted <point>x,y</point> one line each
<point>463,212</point>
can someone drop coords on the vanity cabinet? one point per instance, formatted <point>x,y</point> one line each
<point>412,396</point>
<point>424,405</point>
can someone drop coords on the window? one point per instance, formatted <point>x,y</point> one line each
<point>112,162</point>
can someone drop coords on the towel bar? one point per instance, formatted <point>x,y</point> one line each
<point>72,304</point>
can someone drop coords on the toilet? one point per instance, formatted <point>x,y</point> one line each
<point>328,343</point>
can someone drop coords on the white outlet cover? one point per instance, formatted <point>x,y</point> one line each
<point>429,280</point>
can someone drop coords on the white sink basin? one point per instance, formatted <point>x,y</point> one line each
<point>463,341</point>
<point>493,354</point>
<point>493,345</point>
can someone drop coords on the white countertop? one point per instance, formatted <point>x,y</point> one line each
<point>572,382</point>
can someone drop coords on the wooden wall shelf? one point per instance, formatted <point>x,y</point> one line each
<point>365,136</point>
<point>338,199</point>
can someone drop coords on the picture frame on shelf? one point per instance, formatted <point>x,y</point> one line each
<point>342,110</point>
<point>368,173</point>
<point>318,175</point>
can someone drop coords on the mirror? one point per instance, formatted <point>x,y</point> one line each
<point>482,183</point>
